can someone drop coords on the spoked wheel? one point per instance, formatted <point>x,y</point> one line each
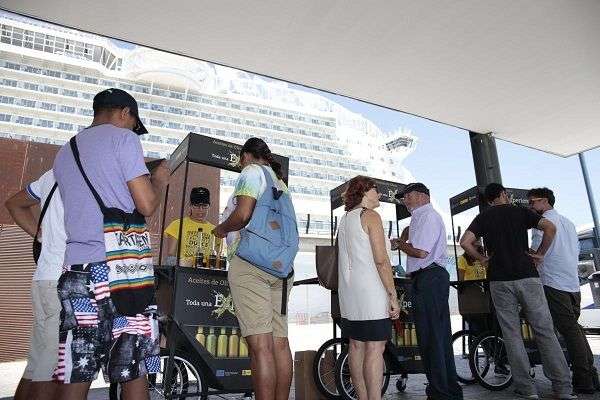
<point>462,341</point>
<point>489,362</point>
<point>186,381</point>
<point>343,381</point>
<point>324,367</point>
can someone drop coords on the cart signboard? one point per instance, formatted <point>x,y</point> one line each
<point>203,298</point>
<point>215,153</point>
<point>388,191</point>
<point>474,197</point>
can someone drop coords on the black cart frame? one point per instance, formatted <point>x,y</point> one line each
<point>181,289</point>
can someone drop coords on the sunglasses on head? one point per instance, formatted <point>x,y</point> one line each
<point>374,187</point>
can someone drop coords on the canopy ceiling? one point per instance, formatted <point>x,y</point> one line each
<point>527,71</point>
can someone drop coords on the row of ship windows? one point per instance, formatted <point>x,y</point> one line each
<point>233,120</point>
<point>66,126</point>
<point>43,123</point>
<point>147,89</point>
<point>237,135</point>
<point>163,124</point>
<point>161,108</point>
<point>58,45</point>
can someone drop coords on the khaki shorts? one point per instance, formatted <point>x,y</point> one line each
<point>257,299</point>
<point>43,353</point>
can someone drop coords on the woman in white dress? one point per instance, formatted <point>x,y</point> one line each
<point>367,295</point>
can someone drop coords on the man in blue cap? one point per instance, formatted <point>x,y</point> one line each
<point>103,171</point>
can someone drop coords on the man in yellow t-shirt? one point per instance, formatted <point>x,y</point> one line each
<point>199,206</point>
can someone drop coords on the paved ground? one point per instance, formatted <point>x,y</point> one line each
<point>10,373</point>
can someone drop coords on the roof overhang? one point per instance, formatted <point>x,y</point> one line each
<point>526,71</point>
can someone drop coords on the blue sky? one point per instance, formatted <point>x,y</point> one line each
<point>443,161</point>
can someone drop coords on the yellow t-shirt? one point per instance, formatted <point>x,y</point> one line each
<point>189,246</point>
<point>472,272</point>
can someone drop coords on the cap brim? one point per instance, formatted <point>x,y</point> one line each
<point>140,129</point>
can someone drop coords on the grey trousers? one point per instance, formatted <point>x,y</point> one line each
<point>529,294</point>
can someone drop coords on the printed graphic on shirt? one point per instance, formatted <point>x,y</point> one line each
<point>191,238</point>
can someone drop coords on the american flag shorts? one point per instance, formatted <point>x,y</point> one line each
<point>94,336</point>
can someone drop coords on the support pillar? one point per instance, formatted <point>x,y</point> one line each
<point>590,194</point>
<point>485,159</point>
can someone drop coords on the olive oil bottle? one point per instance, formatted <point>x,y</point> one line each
<point>413,335</point>
<point>211,342</point>
<point>243,348</point>
<point>212,258</point>
<point>234,343</point>
<point>407,335</point>
<point>222,344</point>
<point>200,336</point>
<point>199,261</point>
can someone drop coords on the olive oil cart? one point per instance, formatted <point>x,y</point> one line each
<point>202,351</point>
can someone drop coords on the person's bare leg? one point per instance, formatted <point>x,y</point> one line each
<point>22,392</point>
<point>261,362</point>
<point>72,391</point>
<point>136,389</point>
<point>42,390</point>
<point>283,366</point>
<point>373,368</point>
<point>356,355</point>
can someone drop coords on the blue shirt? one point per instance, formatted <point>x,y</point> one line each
<point>559,267</point>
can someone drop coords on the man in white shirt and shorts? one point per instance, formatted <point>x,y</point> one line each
<point>36,382</point>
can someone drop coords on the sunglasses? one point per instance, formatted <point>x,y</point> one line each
<point>532,201</point>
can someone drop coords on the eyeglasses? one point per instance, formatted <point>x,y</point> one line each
<point>532,201</point>
<point>201,206</point>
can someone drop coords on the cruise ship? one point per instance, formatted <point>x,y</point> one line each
<point>50,74</point>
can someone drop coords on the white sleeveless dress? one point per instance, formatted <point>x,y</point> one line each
<point>364,303</point>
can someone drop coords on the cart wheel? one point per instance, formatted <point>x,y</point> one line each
<point>489,362</point>
<point>187,380</point>
<point>401,383</point>
<point>343,381</point>
<point>462,341</point>
<point>324,367</point>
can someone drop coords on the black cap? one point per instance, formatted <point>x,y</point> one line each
<point>114,97</point>
<point>200,195</point>
<point>413,187</point>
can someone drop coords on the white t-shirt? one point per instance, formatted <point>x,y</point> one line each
<point>559,266</point>
<point>54,237</point>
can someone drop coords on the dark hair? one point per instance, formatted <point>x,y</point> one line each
<point>101,109</point>
<point>259,149</point>
<point>493,191</point>
<point>543,193</point>
<point>357,187</point>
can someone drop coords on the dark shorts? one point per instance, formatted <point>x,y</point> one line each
<point>93,335</point>
<point>373,330</point>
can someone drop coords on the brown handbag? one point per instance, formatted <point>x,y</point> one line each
<point>327,266</point>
